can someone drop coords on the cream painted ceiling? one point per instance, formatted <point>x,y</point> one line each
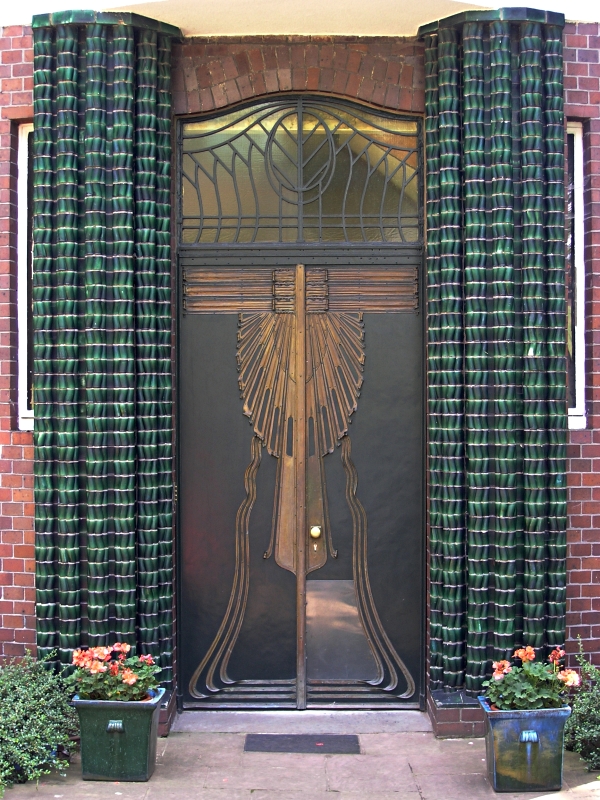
<point>325,17</point>
<point>301,17</point>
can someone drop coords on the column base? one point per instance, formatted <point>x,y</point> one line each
<point>455,715</point>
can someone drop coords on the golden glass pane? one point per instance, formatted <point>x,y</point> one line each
<point>299,170</point>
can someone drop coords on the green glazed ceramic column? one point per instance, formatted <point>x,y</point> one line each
<point>102,342</point>
<point>123,332</point>
<point>164,354</point>
<point>434,359</point>
<point>46,575</point>
<point>504,349</point>
<point>496,332</point>
<point>96,335</point>
<point>146,338</point>
<point>477,464</point>
<point>66,313</point>
<point>452,364</point>
<point>554,236</point>
<point>535,393</point>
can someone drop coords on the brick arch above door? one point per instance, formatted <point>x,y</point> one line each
<point>210,74</point>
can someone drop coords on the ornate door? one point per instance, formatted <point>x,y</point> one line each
<point>300,560</point>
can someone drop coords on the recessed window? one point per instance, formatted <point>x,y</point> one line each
<point>575,277</point>
<point>24,277</point>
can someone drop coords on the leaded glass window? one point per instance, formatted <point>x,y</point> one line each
<point>300,170</point>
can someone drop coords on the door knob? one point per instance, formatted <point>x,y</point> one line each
<point>315,531</point>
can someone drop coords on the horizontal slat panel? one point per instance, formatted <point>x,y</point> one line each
<point>373,289</point>
<point>369,288</point>
<point>227,290</point>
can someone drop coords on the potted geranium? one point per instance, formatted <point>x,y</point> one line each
<point>526,709</point>
<point>117,699</point>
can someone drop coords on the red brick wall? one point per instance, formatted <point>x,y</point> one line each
<point>582,97</point>
<point>17,564</point>
<point>386,72</point>
<point>207,75</point>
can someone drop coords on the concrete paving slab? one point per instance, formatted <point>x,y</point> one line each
<point>369,774</point>
<point>456,757</point>
<point>338,796</point>
<point>391,766</point>
<point>194,792</point>
<point>273,772</point>
<point>311,721</point>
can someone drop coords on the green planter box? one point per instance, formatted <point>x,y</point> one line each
<point>118,739</point>
<point>524,749</point>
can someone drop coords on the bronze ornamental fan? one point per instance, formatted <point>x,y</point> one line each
<point>268,353</point>
<point>300,358</point>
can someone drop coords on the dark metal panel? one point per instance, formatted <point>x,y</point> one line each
<point>214,454</point>
<point>387,452</point>
<point>336,645</point>
<point>387,448</point>
<point>288,256</point>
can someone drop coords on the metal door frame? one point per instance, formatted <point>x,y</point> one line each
<point>306,253</point>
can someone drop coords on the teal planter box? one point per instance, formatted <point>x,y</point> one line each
<point>118,739</point>
<point>524,749</point>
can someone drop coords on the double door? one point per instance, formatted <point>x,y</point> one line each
<point>301,470</point>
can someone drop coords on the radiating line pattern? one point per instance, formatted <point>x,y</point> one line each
<point>102,342</point>
<point>496,316</point>
<point>335,354</point>
<point>291,171</point>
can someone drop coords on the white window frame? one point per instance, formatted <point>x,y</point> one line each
<point>577,414</point>
<point>25,415</point>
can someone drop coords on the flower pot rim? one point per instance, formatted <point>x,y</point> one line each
<point>518,712</point>
<point>155,701</point>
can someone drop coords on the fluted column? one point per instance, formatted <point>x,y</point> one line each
<point>102,316</point>
<point>496,369</point>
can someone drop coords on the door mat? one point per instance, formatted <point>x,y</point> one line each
<point>302,743</point>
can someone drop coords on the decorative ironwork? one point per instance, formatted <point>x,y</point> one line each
<point>227,290</point>
<point>296,171</point>
<point>300,374</point>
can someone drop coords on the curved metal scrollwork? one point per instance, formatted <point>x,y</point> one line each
<point>296,170</point>
<point>306,169</point>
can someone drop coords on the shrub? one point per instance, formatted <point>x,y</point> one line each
<point>582,731</point>
<point>36,721</point>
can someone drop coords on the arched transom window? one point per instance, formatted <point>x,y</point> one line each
<point>300,170</point>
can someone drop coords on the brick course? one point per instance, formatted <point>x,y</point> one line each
<point>17,562</point>
<point>210,74</point>
<point>582,102</point>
